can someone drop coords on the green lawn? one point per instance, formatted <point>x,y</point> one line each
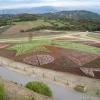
<point>97,37</point>
<point>26,47</point>
<point>78,46</point>
<point>23,48</point>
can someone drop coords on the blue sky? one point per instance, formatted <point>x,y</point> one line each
<point>69,4</point>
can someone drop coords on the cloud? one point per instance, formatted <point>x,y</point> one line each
<point>75,4</point>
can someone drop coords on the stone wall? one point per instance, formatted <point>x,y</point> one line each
<point>67,79</point>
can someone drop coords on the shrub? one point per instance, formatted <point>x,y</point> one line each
<point>22,31</point>
<point>2,93</point>
<point>40,88</point>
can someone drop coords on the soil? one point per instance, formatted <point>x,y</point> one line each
<point>7,53</point>
<point>77,57</point>
<point>58,59</point>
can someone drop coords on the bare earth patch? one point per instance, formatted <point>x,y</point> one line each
<point>80,58</point>
<point>67,38</point>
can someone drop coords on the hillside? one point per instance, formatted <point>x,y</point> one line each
<point>75,15</point>
<point>50,12</point>
<point>78,20</point>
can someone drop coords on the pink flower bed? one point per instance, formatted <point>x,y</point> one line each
<point>38,59</point>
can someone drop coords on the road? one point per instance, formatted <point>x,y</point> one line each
<point>59,91</point>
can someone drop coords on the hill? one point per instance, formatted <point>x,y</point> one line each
<point>75,15</point>
<point>78,20</point>
<point>52,13</point>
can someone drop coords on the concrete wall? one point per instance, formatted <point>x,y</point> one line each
<point>65,78</point>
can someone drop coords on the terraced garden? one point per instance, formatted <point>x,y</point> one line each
<point>61,52</point>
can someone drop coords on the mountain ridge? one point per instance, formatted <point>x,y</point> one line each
<point>75,15</point>
<point>33,10</point>
<point>38,10</point>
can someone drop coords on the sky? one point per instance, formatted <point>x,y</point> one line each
<point>68,4</point>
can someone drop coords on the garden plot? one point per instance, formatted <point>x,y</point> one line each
<point>79,58</point>
<point>77,46</point>
<point>25,48</point>
<point>90,71</point>
<point>67,39</point>
<point>2,45</point>
<point>38,59</point>
<point>94,64</point>
<point>59,53</point>
<point>7,53</point>
<point>91,43</point>
<point>95,36</point>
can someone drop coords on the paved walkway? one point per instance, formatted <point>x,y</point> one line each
<point>59,92</point>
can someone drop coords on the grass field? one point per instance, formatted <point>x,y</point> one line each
<point>26,47</point>
<point>95,36</point>
<point>78,46</point>
<point>26,25</point>
<point>22,48</point>
<point>15,31</point>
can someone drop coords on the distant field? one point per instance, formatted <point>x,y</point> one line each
<point>4,28</point>
<point>17,29</point>
<point>19,26</point>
